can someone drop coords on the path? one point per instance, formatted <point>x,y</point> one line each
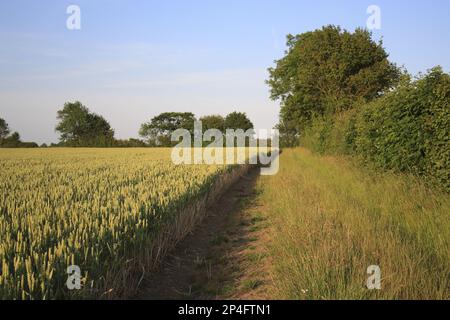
<point>223,258</point>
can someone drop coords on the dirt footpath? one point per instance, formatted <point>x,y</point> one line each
<point>225,257</point>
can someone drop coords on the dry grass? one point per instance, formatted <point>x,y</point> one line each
<point>332,219</point>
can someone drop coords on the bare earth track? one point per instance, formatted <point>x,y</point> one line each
<point>223,258</point>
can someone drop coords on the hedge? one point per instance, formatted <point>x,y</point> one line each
<point>406,130</point>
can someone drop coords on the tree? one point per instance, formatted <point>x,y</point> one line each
<point>79,127</point>
<point>159,130</point>
<point>130,143</point>
<point>238,120</point>
<point>213,122</point>
<point>4,129</point>
<point>100,132</point>
<point>15,137</point>
<point>12,141</point>
<point>288,134</point>
<point>327,71</point>
<point>73,123</point>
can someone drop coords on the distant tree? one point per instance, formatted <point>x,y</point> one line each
<point>28,145</point>
<point>158,131</point>
<point>4,129</point>
<point>213,122</point>
<point>238,120</point>
<point>79,127</point>
<point>12,141</point>
<point>327,71</point>
<point>130,143</point>
<point>15,137</point>
<point>136,143</point>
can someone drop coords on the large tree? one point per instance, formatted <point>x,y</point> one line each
<point>159,130</point>
<point>326,71</point>
<point>78,126</point>
<point>4,129</point>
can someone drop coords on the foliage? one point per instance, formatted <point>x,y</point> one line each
<point>238,120</point>
<point>13,141</point>
<point>327,71</point>
<point>4,129</point>
<point>158,131</point>
<point>213,122</point>
<point>81,128</point>
<point>406,130</point>
<point>289,135</point>
<point>130,143</point>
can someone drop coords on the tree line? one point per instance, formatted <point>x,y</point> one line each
<point>79,127</point>
<point>340,94</point>
<point>12,140</point>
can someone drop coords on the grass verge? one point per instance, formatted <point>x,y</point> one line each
<point>333,219</point>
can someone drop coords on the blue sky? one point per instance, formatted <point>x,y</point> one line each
<point>133,59</point>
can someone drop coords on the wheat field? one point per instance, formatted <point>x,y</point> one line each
<point>93,208</point>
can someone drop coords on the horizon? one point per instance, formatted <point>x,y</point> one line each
<point>132,60</point>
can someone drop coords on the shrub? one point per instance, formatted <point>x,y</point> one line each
<point>406,130</point>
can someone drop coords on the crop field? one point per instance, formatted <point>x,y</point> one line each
<point>86,207</point>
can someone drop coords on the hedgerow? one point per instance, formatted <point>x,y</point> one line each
<point>406,130</point>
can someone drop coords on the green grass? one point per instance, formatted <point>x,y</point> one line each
<point>332,219</point>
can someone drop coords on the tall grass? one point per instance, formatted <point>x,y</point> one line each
<point>333,219</point>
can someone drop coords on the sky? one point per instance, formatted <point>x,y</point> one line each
<point>133,59</point>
